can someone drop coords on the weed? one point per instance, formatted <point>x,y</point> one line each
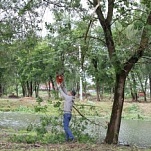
<point>134,112</point>
<point>24,109</point>
<point>40,108</point>
<point>133,108</point>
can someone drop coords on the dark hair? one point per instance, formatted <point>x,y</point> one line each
<point>73,92</point>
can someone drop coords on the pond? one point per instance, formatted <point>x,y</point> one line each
<point>17,120</point>
<point>132,132</point>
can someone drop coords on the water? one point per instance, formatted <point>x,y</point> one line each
<point>133,132</point>
<point>17,120</point>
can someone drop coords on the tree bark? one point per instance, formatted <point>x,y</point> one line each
<point>115,121</point>
<point>133,85</point>
<point>150,85</point>
<point>98,91</point>
<point>36,88</point>
<point>24,91</point>
<point>29,88</point>
<point>143,86</point>
<point>1,90</point>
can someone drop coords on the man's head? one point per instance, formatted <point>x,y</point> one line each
<point>72,92</point>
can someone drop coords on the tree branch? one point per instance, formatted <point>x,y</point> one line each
<point>99,11</point>
<point>143,45</point>
<point>110,10</point>
<point>90,23</point>
<point>94,38</point>
<point>86,34</point>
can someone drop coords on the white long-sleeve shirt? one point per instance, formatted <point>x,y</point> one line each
<point>69,100</point>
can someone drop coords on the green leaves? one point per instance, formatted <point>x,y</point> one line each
<point>146,3</point>
<point>131,33</point>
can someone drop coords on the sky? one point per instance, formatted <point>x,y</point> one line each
<point>48,17</point>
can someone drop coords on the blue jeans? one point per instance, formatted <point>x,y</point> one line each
<point>66,121</point>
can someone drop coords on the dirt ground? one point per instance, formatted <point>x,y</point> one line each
<point>66,147</point>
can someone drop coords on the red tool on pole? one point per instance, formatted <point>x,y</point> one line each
<point>59,79</point>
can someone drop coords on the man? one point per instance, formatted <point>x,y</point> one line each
<point>68,104</point>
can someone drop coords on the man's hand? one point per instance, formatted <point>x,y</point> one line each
<point>59,79</point>
<point>58,85</point>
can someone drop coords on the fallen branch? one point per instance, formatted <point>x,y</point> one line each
<point>87,118</point>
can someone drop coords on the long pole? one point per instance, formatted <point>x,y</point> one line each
<point>80,74</point>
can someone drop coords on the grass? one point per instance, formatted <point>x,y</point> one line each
<point>141,111</point>
<point>7,144</point>
<point>87,108</point>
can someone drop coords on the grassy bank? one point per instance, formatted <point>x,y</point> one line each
<point>131,110</point>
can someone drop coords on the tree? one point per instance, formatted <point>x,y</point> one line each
<point>133,86</point>
<point>121,69</point>
<point>15,24</point>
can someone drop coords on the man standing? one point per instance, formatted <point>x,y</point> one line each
<point>69,98</point>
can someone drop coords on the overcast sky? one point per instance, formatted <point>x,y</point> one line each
<point>48,17</point>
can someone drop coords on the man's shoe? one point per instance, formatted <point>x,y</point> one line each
<point>72,140</point>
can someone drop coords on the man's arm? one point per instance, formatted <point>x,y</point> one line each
<point>62,90</point>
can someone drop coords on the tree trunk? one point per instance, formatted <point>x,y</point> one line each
<point>134,96</point>
<point>29,89</point>
<point>143,86</point>
<point>145,96</point>
<point>98,91</point>
<point>111,94</point>
<point>36,87</point>
<point>150,85</point>
<point>133,89</point>
<point>49,88</point>
<point>52,82</point>
<point>17,93</point>
<point>115,120</point>
<point>23,89</point>
<point>1,90</point>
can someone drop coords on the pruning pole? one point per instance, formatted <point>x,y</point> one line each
<point>87,118</point>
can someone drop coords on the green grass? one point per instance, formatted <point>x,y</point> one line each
<point>30,139</point>
<point>87,108</point>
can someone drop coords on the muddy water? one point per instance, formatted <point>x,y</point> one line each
<point>133,132</point>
